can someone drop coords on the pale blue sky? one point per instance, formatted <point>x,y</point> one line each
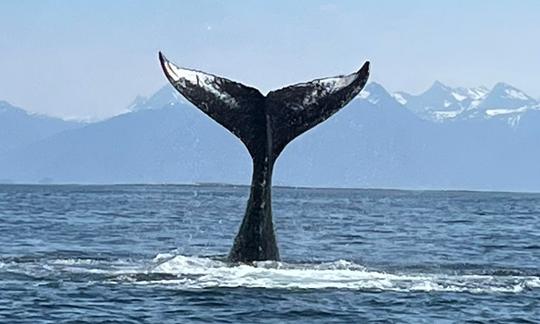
<point>91,58</point>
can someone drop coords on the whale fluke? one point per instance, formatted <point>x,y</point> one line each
<point>265,124</point>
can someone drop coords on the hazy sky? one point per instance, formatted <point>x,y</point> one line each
<point>91,58</point>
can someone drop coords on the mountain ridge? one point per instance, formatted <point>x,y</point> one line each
<point>377,141</point>
<point>19,127</point>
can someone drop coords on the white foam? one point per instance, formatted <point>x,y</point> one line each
<point>198,273</point>
<point>187,272</point>
<point>74,262</point>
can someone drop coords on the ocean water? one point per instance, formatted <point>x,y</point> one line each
<point>155,254</point>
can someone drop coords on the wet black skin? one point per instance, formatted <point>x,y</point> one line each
<point>265,124</point>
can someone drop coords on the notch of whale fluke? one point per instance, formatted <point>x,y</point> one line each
<point>265,124</point>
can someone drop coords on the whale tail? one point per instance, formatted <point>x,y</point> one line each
<point>243,110</point>
<point>265,124</point>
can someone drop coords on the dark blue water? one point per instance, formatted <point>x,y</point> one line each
<point>153,254</point>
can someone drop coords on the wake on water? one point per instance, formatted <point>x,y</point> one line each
<point>189,272</point>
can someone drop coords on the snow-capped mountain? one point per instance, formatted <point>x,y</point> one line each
<point>442,103</point>
<point>504,102</point>
<point>377,141</point>
<point>376,94</point>
<point>167,95</point>
<point>439,102</point>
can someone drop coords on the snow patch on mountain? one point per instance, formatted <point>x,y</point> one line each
<point>512,93</point>
<point>364,94</point>
<point>497,112</point>
<point>399,98</point>
<point>444,115</point>
<point>442,103</point>
<point>167,96</point>
<point>458,96</point>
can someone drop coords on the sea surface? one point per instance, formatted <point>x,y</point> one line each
<point>155,254</point>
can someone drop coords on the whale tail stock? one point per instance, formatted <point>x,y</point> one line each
<point>265,124</point>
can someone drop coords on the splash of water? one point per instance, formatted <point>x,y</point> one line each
<point>195,272</point>
<point>188,272</point>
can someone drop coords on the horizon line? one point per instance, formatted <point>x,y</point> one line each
<point>232,185</point>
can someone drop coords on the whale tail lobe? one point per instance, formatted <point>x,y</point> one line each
<point>246,113</point>
<point>265,124</point>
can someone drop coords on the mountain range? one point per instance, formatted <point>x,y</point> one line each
<point>19,128</point>
<point>443,138</point>
<point>442,103</point>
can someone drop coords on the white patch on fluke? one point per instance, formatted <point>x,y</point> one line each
<point>335,84</point>
<point>206,81</point>
<point>325,87</point>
